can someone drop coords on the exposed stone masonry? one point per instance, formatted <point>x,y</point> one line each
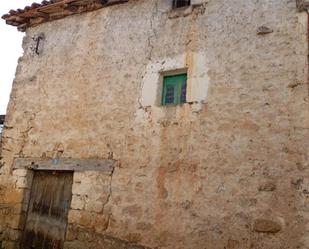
<point>227,170</point>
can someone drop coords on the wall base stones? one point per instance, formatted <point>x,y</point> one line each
<point>89,239</point>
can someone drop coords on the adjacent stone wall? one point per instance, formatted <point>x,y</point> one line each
<point>227,170</point>
<point>2,117</point>
<point>0,138</point>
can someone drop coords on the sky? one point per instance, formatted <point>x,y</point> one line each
<point>10,50</point>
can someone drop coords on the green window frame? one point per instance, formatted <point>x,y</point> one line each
<point>174,89</point>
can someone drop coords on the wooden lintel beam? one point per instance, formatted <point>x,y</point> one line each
<point>65,164</point>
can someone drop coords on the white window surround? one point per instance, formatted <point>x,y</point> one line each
<point>194,64</point>
<point>198,2</point>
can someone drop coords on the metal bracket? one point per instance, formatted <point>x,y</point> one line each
<point>38,48</point>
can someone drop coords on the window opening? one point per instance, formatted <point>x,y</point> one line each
<point>174,89</point>
<point>181,3</point>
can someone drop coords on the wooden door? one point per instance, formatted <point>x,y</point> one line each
<point>50,201</point>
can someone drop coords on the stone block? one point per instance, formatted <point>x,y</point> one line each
<point>13,234</point>
<point>87,219</point>
<point>263,30</point>
<point>20,172</point>
<point>81,189</point>
<point>94,206</point>
<point>101,223</point>
<point>71,233</point>
<point>75,245</point>
<point>86,235</point>
<point>10,245</point>
<point>266,226</point>
<point>23,182</point>
<point>13,196</point>
<point>77,177</point>
<point>13,221</point>
<point>16,209</point>
<point>267,187</point>
<point>74,216</point>
<point>78,202</point>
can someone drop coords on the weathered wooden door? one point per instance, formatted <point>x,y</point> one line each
<point>50,201</point>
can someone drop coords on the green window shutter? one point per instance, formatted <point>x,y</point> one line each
<point>174,89</point>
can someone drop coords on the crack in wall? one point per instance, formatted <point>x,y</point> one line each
<point>153,35</point>
<point>108,199</point>
<point>152,29</point>
<point>25,133</point>
<point>25,136</point>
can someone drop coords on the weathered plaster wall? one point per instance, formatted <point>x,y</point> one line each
<point>210,174</point>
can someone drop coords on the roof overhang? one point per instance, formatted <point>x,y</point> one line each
<point>47,11</point>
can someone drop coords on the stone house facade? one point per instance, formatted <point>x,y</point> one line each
<point>104,148</point>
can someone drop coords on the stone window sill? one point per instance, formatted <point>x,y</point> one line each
<point>180,12</point>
